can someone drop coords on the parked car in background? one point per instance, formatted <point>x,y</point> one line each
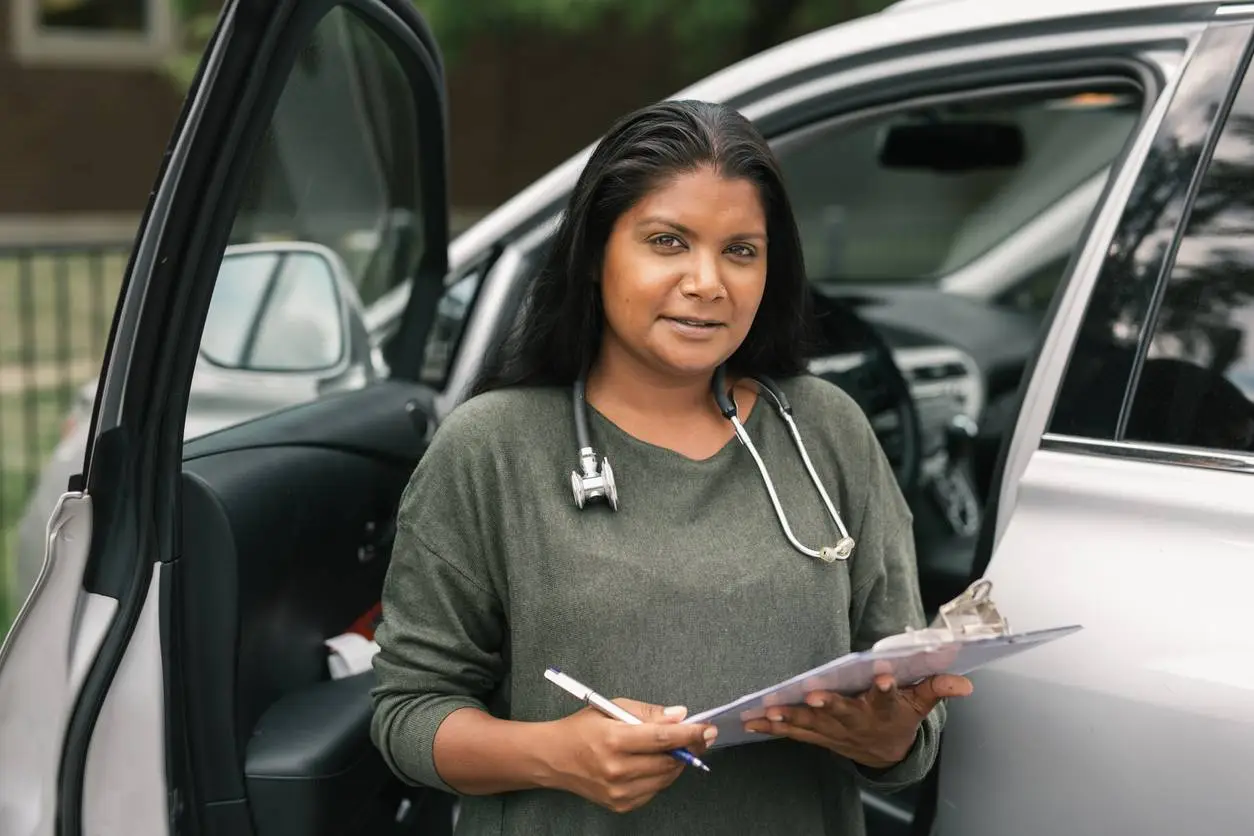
<point>286,327</point>
<point>168,673</point>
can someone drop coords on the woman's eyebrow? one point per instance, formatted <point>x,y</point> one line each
<point>683,230</point>
<point>658,219</point>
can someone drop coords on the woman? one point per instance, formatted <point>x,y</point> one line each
<point>678,255</point>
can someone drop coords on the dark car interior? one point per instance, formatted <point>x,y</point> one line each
<point>287,529</point>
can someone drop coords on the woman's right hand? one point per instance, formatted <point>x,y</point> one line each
<point>622,766</point>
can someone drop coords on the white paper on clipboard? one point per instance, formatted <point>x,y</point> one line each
<point>968,635</point>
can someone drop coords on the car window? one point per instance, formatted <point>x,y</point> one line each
<point>920,193</point>
<point>1091,401</point>
<point>338,164</point>
<point>1196,383</point>
<point>1036,289</point>
<point>329,219</point>
<point>451,312</point>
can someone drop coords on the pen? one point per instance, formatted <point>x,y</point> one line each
<point>583,692</point>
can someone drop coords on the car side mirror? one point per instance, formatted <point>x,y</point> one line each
<point>283,308</point>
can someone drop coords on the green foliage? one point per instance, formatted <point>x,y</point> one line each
<point>701,33</point>
<point>197,27</point>
<point>702,30</point>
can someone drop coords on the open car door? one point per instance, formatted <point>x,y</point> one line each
<point>167,673</point>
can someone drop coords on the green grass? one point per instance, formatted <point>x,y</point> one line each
<point>56,306</point>
<point>10,485</point>
<point>30,425</point>
<point>55,310</point>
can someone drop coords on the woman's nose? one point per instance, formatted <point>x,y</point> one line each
<point>704,279</point>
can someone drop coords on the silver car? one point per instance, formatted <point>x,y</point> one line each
<point>1080,441</point>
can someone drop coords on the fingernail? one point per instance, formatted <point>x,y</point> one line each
<point>885,686</point>
<point>774,716</point>
<point>815,701</point>
<point>710,734</point>
<point>674,710</point>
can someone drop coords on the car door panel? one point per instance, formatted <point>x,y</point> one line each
<point>309,753</point>
<point>287,525</point>
<point>1152,692</point>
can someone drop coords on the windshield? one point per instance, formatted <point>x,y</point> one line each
<point>920,194</point>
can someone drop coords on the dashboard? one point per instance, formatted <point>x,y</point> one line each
<point>961,361</point>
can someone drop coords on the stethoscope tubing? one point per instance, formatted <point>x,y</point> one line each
<point>727,405</point>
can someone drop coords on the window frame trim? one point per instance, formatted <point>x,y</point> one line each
<point>1203,458</point>
<point>34,44</point>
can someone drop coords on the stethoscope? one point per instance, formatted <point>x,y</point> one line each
<point>592,481</point>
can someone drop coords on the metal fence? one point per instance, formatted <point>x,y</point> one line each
<point>56,305</point>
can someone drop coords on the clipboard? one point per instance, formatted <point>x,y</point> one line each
<point>968,634</point>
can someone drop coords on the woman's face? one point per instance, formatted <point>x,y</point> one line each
<point>684,273</point>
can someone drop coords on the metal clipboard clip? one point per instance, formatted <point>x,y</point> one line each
<point>972,615</point>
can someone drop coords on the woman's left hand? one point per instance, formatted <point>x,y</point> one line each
<point>875,729</point>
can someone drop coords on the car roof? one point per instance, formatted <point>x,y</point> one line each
<point>902,22</point>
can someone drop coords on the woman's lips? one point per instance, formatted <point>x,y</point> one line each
<point>693,328</point>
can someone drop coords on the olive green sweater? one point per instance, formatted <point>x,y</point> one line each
<point>689,595</point>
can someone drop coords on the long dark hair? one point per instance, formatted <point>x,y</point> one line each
<point>559,332</point>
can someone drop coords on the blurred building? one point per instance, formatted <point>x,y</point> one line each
<point>87,109</point>
<point>86,112</point>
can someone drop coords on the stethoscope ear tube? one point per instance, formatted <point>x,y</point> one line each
<point>582,437</point>
<point>844,547</point>
<point>723,395</point>
<point>591,480</point>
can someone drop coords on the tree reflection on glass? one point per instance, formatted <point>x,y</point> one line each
<point>1199,373</point>
<point>1189,390</point>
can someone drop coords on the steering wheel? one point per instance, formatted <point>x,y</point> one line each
<point>856,358</point>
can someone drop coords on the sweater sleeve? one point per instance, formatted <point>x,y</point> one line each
<point>441,635</point>
<point>886,600</point>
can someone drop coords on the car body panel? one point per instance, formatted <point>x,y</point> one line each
<point>1143,722</point>
<point>124,802</point>
<point>51,646</point>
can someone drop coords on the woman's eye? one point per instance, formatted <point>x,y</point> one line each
<point>742,251</point>
<point>667,242</point>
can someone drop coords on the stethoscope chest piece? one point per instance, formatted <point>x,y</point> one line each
<point>593,483</point>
